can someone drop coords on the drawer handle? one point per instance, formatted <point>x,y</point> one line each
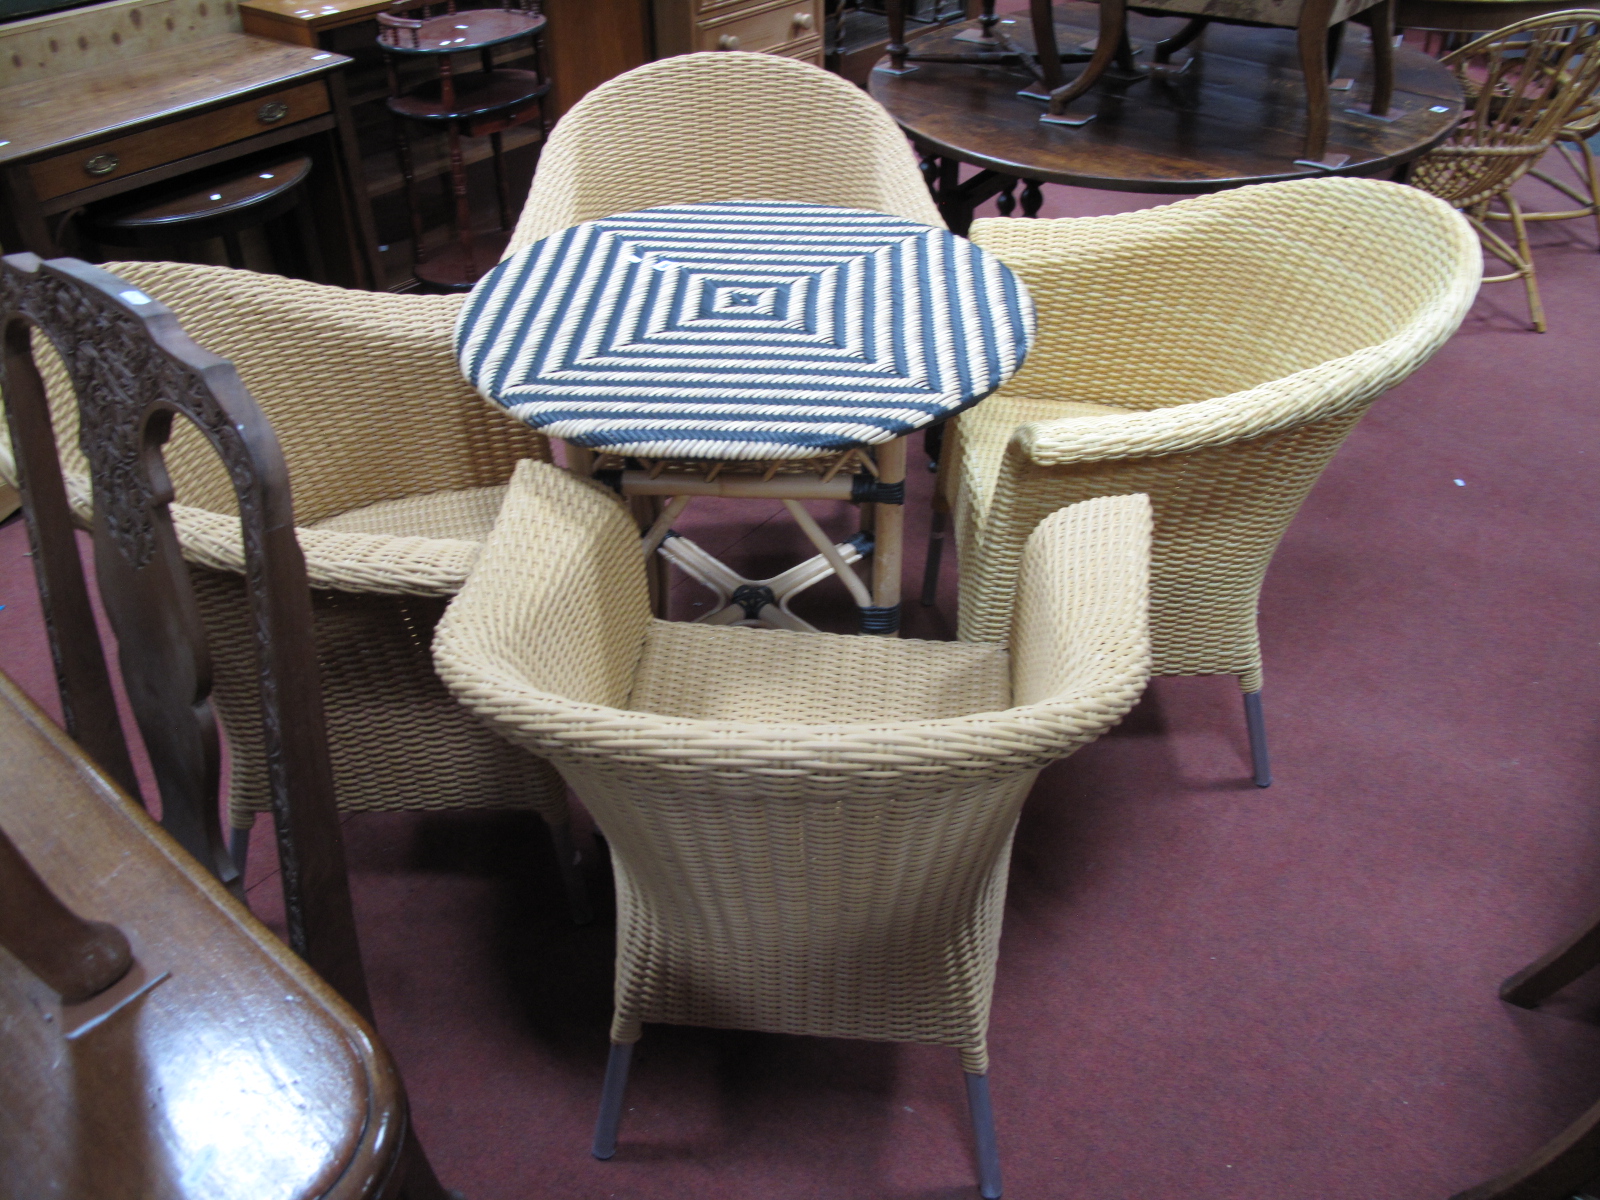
<point>272,110</point>
<point>727,42</point>
<point>802,20</point>
<point>102,164</point>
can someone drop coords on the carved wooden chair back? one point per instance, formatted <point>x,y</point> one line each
<point>134,370</point>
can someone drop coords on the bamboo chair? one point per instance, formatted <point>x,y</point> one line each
<point>1572,144</point>
<point>398,468</point>
<point>737,126</point>
<point>810,832</point>
<point>1212,354</point>
<point>1524,85</point>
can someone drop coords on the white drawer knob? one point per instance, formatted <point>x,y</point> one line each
<point>802,20</point>
<point>727,42</point>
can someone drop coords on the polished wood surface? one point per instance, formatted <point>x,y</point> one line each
<point>302,23</point>
<point>115,158</point>
<point>469,29</point>
<point>68,110</point>
<point>75,139</point>
<point>1236,115</point>
<point>236,1073</point>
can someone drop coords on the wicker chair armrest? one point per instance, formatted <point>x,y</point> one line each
<point>1315,394</point>
<point>348,562</point>
<point>1083,599</point>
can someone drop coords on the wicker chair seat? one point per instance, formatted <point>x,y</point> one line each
<point>718,673</point>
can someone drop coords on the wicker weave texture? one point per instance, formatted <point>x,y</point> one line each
<point>401,467</point>
<point>1230,344</point>
<point>829,865</point>
<point>721,126</point>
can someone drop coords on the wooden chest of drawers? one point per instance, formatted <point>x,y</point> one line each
<point>791,27</point>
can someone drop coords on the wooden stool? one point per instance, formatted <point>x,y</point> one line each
<point>222,206</point>
<point>485,103</point>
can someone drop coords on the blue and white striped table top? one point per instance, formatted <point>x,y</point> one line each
<point>743,330</point>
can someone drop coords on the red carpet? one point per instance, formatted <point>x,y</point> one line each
<point>1205,989</point>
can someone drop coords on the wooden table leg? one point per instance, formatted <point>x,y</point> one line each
<point>1539,980</point>
<point>888,544</point>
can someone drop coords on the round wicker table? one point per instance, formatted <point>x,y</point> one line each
<point>749,349</point>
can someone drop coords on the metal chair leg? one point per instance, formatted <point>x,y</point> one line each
<point>239,849</point>
<point>930,571</point>
<point>571,878</point>
<point>605,1129</point>
<point>983,1136</point>
<point>1256,722</point>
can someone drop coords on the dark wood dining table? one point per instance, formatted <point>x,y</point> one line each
<point>1231,114</point>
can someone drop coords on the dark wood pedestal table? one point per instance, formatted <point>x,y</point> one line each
<point>749,350</point>
<point>1233,113</point>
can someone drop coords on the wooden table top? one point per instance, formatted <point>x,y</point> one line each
<point>239,1075</point>
<point>49,115</point>
<point>1235,116</point>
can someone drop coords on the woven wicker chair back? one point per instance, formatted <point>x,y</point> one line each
<point>1523,84</point>
<point>833,879</point>
<point>1246,332</point>
<point>366,399</point>
<point>721,126</point>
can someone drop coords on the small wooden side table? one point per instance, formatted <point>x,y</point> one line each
<point>485,103</point>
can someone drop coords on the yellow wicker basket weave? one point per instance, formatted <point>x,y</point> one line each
<point>1211,354</point>
<point>810,832</point>
<point>722,126</point>
<point>398,468</point>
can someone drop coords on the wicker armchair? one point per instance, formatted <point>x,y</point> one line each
<point>810,832</point>
<point>398,469</point>
<point>1212,354</point>
<point>1529,86</point>
<point>721,126</point>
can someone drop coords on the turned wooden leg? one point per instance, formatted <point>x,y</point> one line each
<point>1032,197</point>
<point>895,11</point>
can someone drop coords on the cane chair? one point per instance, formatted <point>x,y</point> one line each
<point>398,469</point>
<point>810,832</point>
<point>1526,85</point>
<point>1212,354</point>
<point>1574,148</point>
